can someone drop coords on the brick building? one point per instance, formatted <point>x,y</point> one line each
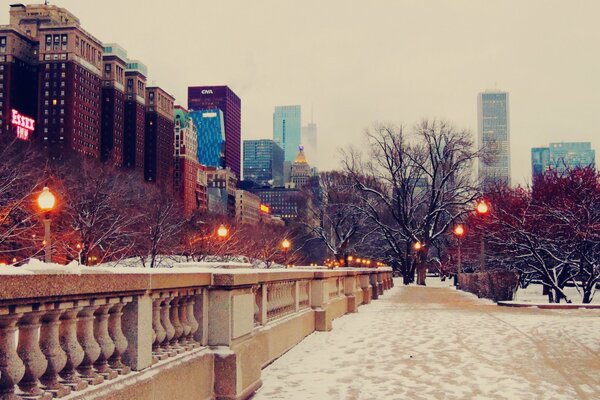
<point>159,145</point>
<point>135,115</point>
<point>113,103</point>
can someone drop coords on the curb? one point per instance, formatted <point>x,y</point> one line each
<point>550,306</point>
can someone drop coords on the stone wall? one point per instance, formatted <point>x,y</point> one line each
<point>171,334</point>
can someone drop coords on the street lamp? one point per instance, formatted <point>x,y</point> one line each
<point>418,246</point>
<point>79,252</point>
<point>482,209</point>
<point>46,202</point>
<point>285,245</point>
<point>459,231</point>
<point>222,232</point>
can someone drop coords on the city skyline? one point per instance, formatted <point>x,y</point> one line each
<point>436,73</point>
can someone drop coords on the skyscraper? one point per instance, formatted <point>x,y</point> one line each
<point>222,98</point>
<point>310,142</point>
<point>159,143</point>
<point>263,162</point>
<point>135,114</point>
<point>494,136</point>
<point>287,129</point>
<point>113,103</point>
<point>562,157</point>
<point>300,170</point>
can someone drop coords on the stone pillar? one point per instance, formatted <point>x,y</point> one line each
<point>107,346</point>
<point>87,340</point>
<point>115,330</point>
<point>365,286</point>
<point>319,298</point>
<point>12,368</point>
<point>71,346</point>
<point>349,285</point>
<point>30,352</point>
<point>373,282</point>
<point>55,355</point>
<point>137,323</point>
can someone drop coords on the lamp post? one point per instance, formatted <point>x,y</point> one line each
<point>285,245</point>
<point>46,202</point>
<point>459,231</point>
<point>482,209</point>
<point>79,252</point>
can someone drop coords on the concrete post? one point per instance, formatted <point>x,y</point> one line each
<point>137,328</point>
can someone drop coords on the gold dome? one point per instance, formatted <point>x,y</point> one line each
<point>301,157</point>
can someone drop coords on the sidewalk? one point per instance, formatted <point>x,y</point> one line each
<point>436,343</point>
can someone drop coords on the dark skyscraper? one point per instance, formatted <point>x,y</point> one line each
<point>159,145</point>
<point>224,99</point>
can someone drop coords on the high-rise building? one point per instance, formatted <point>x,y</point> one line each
<point>494,136</point>
<point>561,157</point>
<point>301,171</point>
<point>224,99</point>
<point>287,129</point>
<point>135,114</point>
<point>539,160</point>
<point>263,162</point>
<point>113,103</point>
<point>283,202</point>
<point>189,176</point>
<point>309,141</point>
<point>210,126</point>
<point>18,78</point>
<point>159,144</point>
<point>69,65</point>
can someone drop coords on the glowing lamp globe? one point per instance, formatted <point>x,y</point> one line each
<point>46,199</point>
<point>482,208</point>
<point>286,244</point>
<point>418,246</point>
<point>222,232</point>
<point>459,230</point>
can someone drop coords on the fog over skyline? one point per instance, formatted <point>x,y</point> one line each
<point>356,63</point>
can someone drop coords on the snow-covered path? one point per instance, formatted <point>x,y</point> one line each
<point>437,343</point>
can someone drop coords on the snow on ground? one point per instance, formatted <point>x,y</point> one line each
<point>439,343</point>
<point>533,294</point>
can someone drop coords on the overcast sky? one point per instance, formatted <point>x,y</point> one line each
<point>357,62</point>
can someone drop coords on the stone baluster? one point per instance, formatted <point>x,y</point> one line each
<point>12,368</point>
<point>194,325</point>
<point>186,327</point>
<point>107,346</point>
<point>30,352</point>
<point>91,348</point>
<point>71,346</point>
<point>50,345</point>
<point>177,327</point>
<point>157,328</point>
<point>115,331</point>
<point>165,320</point>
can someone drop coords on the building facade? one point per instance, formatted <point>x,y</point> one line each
<point>69,61</point>
<point>189,176</point>
<point>18,78</point>
<point>301,171</point>
<point>494,136</point>
<point>159,146</point>
<point>283,203</point>
<point>135,115</point>
<point>287,129</point>
<point>247,207</point>
<point>222,185</point>
<point>224,99</point>
<point>263,162</point>
<point>561,157</point>
<point>211,137</point>
<point>114,62</point>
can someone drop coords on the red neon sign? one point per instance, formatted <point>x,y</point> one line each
<point>24,124</point>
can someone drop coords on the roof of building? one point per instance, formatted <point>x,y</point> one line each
<point>301,157</point>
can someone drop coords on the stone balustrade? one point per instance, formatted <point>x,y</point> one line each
<point>164,334</point>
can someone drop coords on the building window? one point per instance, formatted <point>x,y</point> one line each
<point>48,42</point>
<point>56,45</point>
<point>63,40</point>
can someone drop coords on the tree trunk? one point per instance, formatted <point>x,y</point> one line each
<point>421,273</point>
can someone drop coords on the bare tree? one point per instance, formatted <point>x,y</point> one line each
<point>21,177</point>
<point>414,186</point>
